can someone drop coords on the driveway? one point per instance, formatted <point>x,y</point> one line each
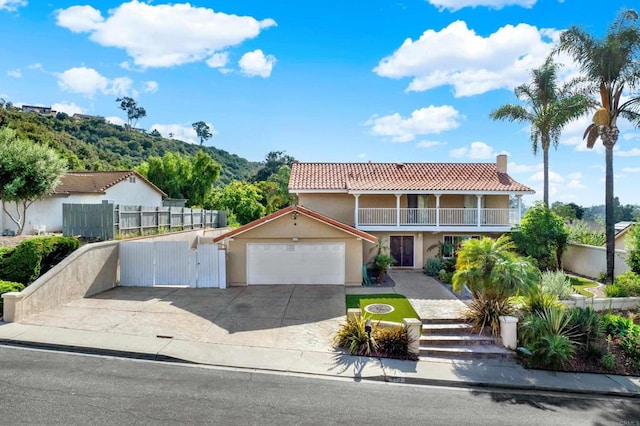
<point>286,317</point>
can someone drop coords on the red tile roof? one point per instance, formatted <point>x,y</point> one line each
<point>301,210</point>
<point>96,182</point>
<point>402,177</point>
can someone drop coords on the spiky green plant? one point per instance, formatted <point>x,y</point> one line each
<point>353,337</point>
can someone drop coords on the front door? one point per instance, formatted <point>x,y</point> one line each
<point>402,250</point>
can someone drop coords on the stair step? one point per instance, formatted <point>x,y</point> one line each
<point>442,321</point>
<point>448,340</point>
<point>465,352</point>
<point>448,329</point>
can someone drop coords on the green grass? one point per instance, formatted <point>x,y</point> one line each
<point>579,284</point>
<point>402,306</point>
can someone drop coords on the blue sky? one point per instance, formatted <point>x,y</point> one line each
<point>332,81</point>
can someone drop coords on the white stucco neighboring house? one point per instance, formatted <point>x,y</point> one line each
<point>117,187</point>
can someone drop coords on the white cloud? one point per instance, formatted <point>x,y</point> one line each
<point>574,176</point>
<point>428,144</point>
<point>631,169</point>
<point>14,73</point>
<point>423,121</point>
<point>362,155</point>
<point>115,120</point>
<point>553,177</point>
<point>150,86</point>
<point>180,131</point>
<point>575,184</point>
<point>12,5</point>
<point>36,66</point>
<point>256,64</point>
<point>68,108</point>
<point>88,82</point>
<point>455,5</point>
<point>523,168</point>
<point>163,35</point>
<point>476,151</point>
<point>218,60</point>
<point>633,152</point>
<point>472,64</point>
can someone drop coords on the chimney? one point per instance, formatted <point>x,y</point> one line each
<point>501,163</point>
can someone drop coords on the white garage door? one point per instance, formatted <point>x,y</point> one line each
<point>295,263</point>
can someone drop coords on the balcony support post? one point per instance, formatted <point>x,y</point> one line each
<point>398,209</point>
<point>437,209</point>
<point>357,211</point>
<point>519,197</point>
<point>479,206</point>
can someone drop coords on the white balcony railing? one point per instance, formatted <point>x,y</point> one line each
<point>437,217</point>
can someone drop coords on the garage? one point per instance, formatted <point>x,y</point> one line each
<point>294,245</point>
<point>319,263</point>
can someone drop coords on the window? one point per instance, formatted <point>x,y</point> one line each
<point>452,243</point>
<point>132,179</point>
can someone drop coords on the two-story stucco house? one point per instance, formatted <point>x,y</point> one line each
<point>410,207</point>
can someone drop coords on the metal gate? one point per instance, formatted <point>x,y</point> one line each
<point>149,264</point>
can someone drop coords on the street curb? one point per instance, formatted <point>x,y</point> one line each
<point>93,351</point>
<point>497,386</point>
<point>381,378</point>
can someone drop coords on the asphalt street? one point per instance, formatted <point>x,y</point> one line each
<point>41,387</point>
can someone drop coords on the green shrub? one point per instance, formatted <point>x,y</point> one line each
<point>6,287</point>
<point>393,342</point>
<point>433,266</point>
<point>633,249</point>
<point>549,337</point>
<point>353,337</point>
<point>449,264</point>
<point>625,285</point>
<point>616,325</point>
<point>381,263</point>
<point>536,300</point>
<point>589,329</point>
<point>485,311</point>
<point>35,256</point>
<point>556,283</point>
<point>445,276</point>
<point>630,344</point>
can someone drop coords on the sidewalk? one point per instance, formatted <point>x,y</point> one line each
<point>486,374</point>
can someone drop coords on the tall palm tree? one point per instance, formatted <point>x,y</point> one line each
<point>611,64</point>
<point>549,108</point>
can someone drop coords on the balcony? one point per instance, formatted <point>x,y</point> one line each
<point>437,219</point>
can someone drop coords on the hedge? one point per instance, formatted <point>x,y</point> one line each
<point>33,257</point>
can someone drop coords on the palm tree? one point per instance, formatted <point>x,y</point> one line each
<point>549,109</point>
<point>493,272</point>
<point>612,65</point>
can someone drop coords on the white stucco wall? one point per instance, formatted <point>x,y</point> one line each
<point>48,211</point>
<point>591,261</point>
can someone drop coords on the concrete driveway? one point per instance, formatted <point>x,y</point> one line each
<point>286,317</point>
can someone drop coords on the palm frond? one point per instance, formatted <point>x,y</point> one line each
<point>592,134</point>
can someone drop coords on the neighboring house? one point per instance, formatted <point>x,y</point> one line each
<point>78,116</point>
<point>410,207</point>
<point>622,230</point>
<point>43,110</point>
<point>413,206</point>
<point>117,187</point>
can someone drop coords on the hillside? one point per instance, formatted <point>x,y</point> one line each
<point>93,144</point>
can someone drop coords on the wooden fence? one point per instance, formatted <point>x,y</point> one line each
<point>107,221</point>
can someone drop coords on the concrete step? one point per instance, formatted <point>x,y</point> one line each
<point>447,328</point>
<point>465,352</point>
<point>448,340</point>
<point>455,320</point>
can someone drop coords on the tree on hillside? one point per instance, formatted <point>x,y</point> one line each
<point>549,108</point>
<point>271,164</point>
<point>569,211</point>
<point>202,130</point>
<point>134,112</point>
<point>181,176</point>
<point>611,64</point>
<point>241,199</point>
<point>28,172</point>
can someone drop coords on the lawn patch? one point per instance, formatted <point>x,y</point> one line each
<point>402,306</point>
<point>581,284</point>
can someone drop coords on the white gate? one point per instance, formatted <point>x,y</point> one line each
<point>149,264</point>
